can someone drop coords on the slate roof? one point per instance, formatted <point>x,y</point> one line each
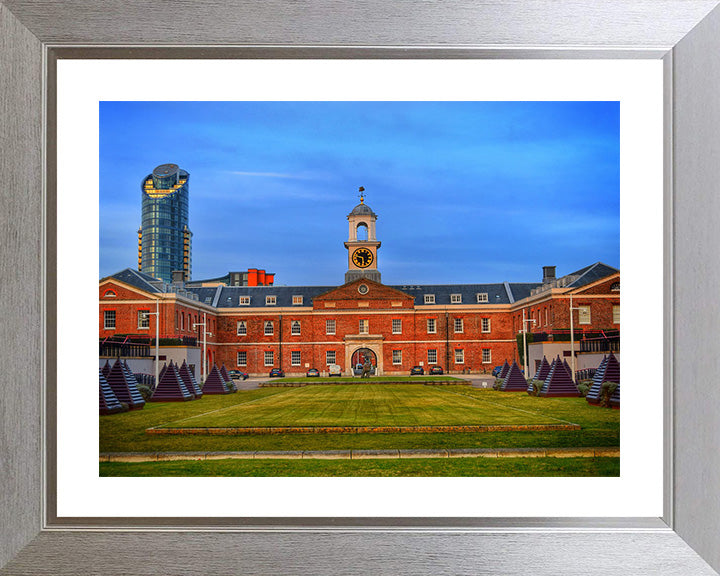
<point>137,279</point>
<point>590,274</point>
<point>362,209</point>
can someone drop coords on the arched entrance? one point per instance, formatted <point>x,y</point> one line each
<point>359,357</point>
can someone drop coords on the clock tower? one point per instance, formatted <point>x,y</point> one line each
<point>362,245</point>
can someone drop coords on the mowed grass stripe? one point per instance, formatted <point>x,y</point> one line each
<point>367,405</point>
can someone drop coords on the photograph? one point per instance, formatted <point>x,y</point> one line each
<point>359,288</point>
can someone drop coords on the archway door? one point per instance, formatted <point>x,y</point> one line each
<point>359,347</point>
<point>361,355</point>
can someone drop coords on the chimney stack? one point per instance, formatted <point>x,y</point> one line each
<point>548,274</point>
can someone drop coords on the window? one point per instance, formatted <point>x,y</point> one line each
<point>615,287</point>
<point>330,357</point>
<point>482,296</point>
<point>270,300</point>
<point>396,326</point>
<point>143,319</point>
<point>242,328</point>
<point>458,325</point>
<point>244,301</point>
<point>295,328</point>
<point>583,314</point>
<point>242,358</point>
<point>616,314</point>
<point>364,326</point>
<point>459,356</point>
<point>330,327</point>
<point>486,357</point>
<point>455,298</point>
<point>269,358</point>
<point>109,319</point>
<point>297,300</point>
<point>432,356</point>
<point>429,299</point>
<point>109,294</point>
<point>295,358</point>
<point>397,356</point>
<point>269,328</point>
<point>485,324</point>
<point>431,326</point>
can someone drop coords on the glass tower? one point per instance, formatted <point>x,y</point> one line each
<point>164,239</point>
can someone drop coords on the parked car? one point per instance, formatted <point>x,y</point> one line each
<point>313,373</point>
<point>496,371</point>
<point>417,370</point>
<point>237,375</point>
<point>436,370</point>
<point>277,373</point>
<point>334,370</point>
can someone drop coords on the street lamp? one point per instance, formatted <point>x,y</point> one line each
<point>572,339</point>
<point>157,338</point>
<point>524,331</point>
<point>204,352</point>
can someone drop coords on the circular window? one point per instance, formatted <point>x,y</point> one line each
<point>363,289</point>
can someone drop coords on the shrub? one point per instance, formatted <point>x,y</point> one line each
<point>583,388</point>
<point>145,392</point>
<point>125,407</point>
<point>536,387</point>
<point>498,384</point>
<point>607,389</point>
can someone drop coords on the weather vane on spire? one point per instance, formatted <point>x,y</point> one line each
<point>362,195</point>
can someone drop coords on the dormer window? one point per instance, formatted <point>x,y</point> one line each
<point>455,298</point>
<point>429,299</point>
<point>482,297</point>
<point>270,300</point>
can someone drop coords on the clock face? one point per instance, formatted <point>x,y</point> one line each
<point>362,257</point>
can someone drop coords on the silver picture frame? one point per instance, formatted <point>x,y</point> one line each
<point>684,34</point>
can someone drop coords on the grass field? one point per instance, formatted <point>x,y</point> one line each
<point>366,405</point>
<point>599,428</point>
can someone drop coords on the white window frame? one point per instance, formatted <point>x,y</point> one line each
<point>584,315</point>
<point>269,328</point>
<point>293,325</point>
<point>328,355</point>
<point>295,358</point>
<point>483,323</point>
<point>455,298</point>
<point>241,328</point>
<point>432,359</point>
<point>364,326</point>
<point>429,299</point>
<point>143,319</point>
<point>114,319</point>
<point>459,354</point>
<point>396,357</point>
<point>330,326</point>
<point>397,326</point>
<point>244,301</point>
<point>482,297</point>
<point>243,361</point>
<point>458,325</point>
<point>616,313</point>
<point>270,300</point>
<point>297,300</point>
<point>269,357</point>
<point>434,326</point>
<point>486,356</point>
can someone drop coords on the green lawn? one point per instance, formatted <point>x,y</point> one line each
<point>364,381</point>
<point>415,467</point>
<point>126,432</point>
<point>366,405</point>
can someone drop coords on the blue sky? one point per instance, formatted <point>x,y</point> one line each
<point>466,192</point>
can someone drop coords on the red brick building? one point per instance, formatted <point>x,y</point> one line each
<point>465,327</point>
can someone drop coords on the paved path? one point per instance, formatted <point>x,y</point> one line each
<point>609,452</point>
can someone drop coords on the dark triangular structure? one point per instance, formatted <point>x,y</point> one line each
<point>171,387</point>
<point>106,369</point>
<point>504,370</point>
<point>558,382</point>
<point>608,371</point>
<point>228,381</point>
<point>543,370</point>
<point>124,386</point>
<point>214,383</point>
<point>162,373</point>
<point>514,380</point>
<point>109,404</point>
<point>189,381</point>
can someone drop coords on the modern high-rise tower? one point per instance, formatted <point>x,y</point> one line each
<point>164,238</point>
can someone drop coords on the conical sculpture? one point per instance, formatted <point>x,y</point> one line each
<point>124,386</point>
<point>514,380</point>
<point>109,404</point>
<point>214,383</point>
<point>189,381</point>
<point>558,382</point>
<point>171,387</point>
<point>504,370</point>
